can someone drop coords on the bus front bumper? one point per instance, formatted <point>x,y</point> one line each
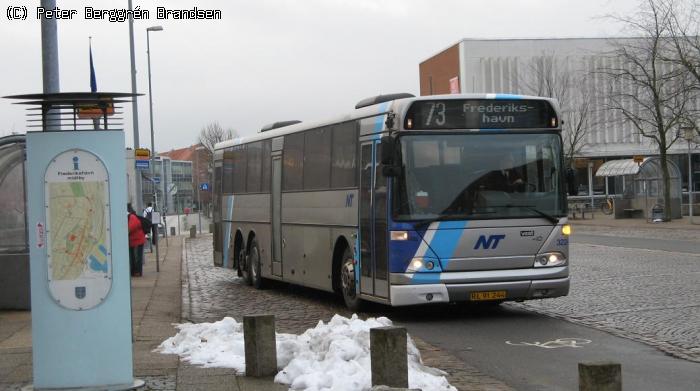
<point>459,286</point>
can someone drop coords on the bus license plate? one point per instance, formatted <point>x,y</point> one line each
<point>490,295</point>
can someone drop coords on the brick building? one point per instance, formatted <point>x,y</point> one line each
<point>200,174</point>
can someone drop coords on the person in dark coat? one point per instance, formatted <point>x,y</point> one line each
<point>137,238</point>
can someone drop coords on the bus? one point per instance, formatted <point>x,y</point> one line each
<point>405,200</point>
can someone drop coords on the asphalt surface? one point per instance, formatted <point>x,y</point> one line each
<point>531,351</point>
<point>635,301</point>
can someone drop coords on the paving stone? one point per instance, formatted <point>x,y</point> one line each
<point>212,293</point>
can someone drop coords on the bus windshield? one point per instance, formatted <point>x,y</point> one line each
<point>479,176</point>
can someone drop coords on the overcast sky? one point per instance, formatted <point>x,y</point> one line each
<point>271,60</point>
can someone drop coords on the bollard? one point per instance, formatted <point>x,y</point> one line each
<point>388,356</point>
<point>211,228</point>
<point>193,231</point>
<point>599,376</point>
<point>260,345</point>
<point>172,231</point>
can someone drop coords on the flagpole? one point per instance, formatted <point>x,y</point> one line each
<point>93,88</point>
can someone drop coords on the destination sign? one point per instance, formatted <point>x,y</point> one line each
<point>481,114</point>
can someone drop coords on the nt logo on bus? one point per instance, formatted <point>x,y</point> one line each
<point>488,243</point>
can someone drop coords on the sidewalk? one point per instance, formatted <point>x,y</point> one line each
<point>601,219</point>
<point>156,306</point>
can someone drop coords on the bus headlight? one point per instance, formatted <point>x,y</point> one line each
<point>420,264</point>
<point>550,259</point>
<point>566,229</point>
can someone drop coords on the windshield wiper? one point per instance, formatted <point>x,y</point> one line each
<point>442,217</point>
<point>553,219</point>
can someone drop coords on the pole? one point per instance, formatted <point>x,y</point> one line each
<point>164,179</point>
<point>49,63</point>
<point>134,105</point>
<point>157,231</point>
<point>690,184</point>
<point>150,105</point>
<point>199,202</point>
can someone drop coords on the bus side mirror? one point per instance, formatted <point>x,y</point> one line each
<point>388,150</point>
<point>571,185</point>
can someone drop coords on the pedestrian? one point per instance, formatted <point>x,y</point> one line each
<point>148,213</point>
<point>137,238</point>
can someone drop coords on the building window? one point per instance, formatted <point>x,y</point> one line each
<point>317,159</point>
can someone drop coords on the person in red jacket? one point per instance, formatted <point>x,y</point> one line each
<point>137,238</point>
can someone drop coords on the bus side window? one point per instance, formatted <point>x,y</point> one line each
<point>227,176</point>
<point>239,169</point>
<point>293,162</point>
<point>344,156</point>
<point>317,159</point>
<point>266,167</point>
<point>254,167</point>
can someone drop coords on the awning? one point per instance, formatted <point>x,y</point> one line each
<point>619,167</point>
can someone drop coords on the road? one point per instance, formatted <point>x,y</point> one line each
<point>630,303</point>
<point>621,287</point>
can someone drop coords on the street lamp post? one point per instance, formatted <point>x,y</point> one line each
<point>688,135</point>
<point>150,104</point>
<point>199,201</point>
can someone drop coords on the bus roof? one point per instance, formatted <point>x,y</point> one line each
<point>398,105</point>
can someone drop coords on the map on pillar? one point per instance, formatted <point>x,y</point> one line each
<point>78,230</point>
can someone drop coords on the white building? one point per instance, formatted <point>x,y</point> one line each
<point>562,68</point>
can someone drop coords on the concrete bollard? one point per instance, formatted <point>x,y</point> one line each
<point>260,345</point>
<point>193,231</point>
<point>599,376</point>
<point>172,231</point>
<point>388,355</point>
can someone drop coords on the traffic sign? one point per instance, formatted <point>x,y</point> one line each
<point>142,153</point>
<point>204,186</point>
<point>143,164</point>
<point>156,180</point>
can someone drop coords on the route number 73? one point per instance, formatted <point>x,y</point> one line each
<point>437,110</point>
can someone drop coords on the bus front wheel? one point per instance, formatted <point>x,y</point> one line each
<point>347,281</point>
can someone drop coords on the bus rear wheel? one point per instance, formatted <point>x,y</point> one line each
<point>254,265</point>
<point>244,267</point>
<point>347,282</point>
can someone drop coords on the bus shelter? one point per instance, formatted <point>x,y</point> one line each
<point>14,250</point>
<point>639,187</point>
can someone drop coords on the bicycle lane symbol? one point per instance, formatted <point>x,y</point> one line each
<point>555,344</point>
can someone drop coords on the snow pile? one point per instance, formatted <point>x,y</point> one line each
<point>333,356</point>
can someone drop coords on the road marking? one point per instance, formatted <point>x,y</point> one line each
<point>557,343</point>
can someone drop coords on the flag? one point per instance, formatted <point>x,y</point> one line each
<point>93,80</point>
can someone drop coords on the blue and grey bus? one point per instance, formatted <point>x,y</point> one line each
<point>405,200</point>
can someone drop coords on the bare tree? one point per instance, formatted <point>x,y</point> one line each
<point>555,77</point>
<point>648,91</point>
<point>213,133</point>
<point>685,27</point>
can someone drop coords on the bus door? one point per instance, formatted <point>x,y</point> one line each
<point>373,223</point>
<point>276,216</point>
